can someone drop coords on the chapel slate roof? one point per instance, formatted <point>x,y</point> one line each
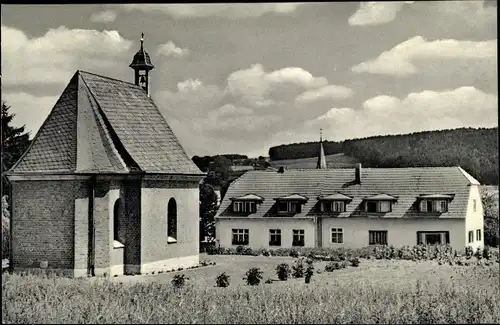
<point>104,125</point>
<point>407,184</point>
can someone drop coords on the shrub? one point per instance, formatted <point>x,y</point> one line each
<point>253,276</point>
<point>309,271</point>
<point>294,253</point>
<point>354,262</point>
<point>212,250</point>
<point>179,280</point>
<point>268,281</point>
<point>222,280</point>
<point>487,252</point>
<point>239,249</point>
<point>478,254</point>
<point>469,251</point>
<point>332,266</point>
<point>283,271</point>
<point>298,268</point>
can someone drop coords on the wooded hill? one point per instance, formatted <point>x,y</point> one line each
<point>475,150</point>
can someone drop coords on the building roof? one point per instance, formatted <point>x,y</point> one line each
<point>104,125</point>
<point>141,59</point>
<point>381,197</point>
<point>248,197</point>
<point>407,184</point>
<point>437,196</point>
<point>335,197</point>
<point>292,197</point>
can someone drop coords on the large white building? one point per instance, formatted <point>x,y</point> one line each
<point>352,208</point>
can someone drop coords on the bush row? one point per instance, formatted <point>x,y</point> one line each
<point>417,252</point>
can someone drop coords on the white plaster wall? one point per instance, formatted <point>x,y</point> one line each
<point>259,231</point>
<point>155,249</point>
<point>474,219</point>
<point>400,232</point>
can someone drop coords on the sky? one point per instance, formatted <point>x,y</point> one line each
<point>240,78</point>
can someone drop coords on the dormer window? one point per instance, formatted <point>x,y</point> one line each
<point>381,203</point>
<point>334,203</point>
<point>244,206</point>
<point>291,203</point>
<point>246,203</point>
<point>434,202</point>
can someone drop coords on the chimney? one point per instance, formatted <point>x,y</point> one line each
<point>358,173</point>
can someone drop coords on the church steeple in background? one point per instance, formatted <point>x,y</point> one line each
<point>321,156</point>
<point>141,63</point>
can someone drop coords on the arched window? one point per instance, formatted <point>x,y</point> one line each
<point>172,220</point>
<point>117,215</point>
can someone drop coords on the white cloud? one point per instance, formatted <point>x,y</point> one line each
<point>229,11</point>
<point>191,99</point>
<point>399,61</point>
<point>189,85</point>
<point>376,13</point>
<point>422,111</point>
<point>106,16</point>
<point>253,105</point>
<point>29,110</point>
<point>255,86</point>
<point>170,49</point>
<point>54,57</point>
<point>325,92</point>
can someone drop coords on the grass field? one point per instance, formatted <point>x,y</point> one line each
<point>378,291</point>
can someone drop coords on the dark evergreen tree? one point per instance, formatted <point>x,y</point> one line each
<point>15,141</point>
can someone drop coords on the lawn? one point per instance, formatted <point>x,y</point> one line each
<point>378,291</point>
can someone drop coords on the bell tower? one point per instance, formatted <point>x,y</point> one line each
<point>142,66</point>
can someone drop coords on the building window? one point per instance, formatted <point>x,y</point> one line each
<point>474,204</point>
<point>384,206</point>
<point>378,206</point>
<point>244,206</point>
<point>298,237</point>
<point>338,206</point>
<point>337,235</point>
<point>471,236</point>
<point>478,234</point>
<point>274,237</point>
<point>172,221</point>
<point>377,237</point>
<point>282,206</point>
<point>433,206</point>
<point>295,207</point>
<point>334,206</point>
<point>289,206</point>
<point>117,215</point>
<point>240,237</point>
<point>371,206</point>
<point>433,237</point>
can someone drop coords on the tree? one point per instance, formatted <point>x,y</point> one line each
<point>218,174</point>
<point>490,206</point>
<point>5,228</point>
<point>208,209</point>
<point>15,141</point>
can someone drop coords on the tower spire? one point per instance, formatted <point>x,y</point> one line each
<point>321,157</point>
<point>141,63</point>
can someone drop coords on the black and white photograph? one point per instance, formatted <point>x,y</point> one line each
<point>250,163</point>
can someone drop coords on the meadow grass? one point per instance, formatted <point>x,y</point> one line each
<point>370,294</point>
